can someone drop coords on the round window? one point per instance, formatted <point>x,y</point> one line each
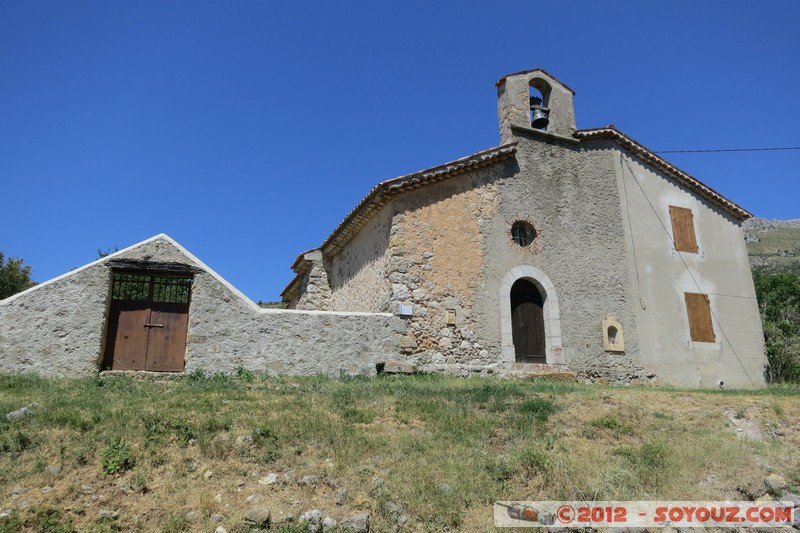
<point>523,233</point>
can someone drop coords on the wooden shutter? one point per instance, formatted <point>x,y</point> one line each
<point>683,229</point>
<point>699,311</point>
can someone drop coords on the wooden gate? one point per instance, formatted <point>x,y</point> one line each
<point>527,322</point>
<point>148,322</point>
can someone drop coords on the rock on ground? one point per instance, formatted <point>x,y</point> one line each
<point>313,519</point>
<point>775,483</point>
<point>258,517</point>
<point>355,524</point>
<point>329,525</point>
<point>22,411</point>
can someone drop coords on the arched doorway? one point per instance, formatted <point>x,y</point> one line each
<point>527,322</point>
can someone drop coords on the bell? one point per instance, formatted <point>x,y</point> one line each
<point>540,118</point>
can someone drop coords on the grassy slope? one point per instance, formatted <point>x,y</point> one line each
<point>445,448</point>
<point>773,244</point>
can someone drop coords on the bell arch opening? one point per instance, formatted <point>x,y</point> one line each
<point>539,96</point>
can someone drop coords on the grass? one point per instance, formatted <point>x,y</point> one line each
<point>442,448</point>
<point>776,247</point>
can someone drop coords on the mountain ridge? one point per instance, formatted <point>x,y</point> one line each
<point>773,244</point>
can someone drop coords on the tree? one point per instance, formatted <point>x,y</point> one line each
<point>108,251</point>
<point>779,301</point>
<point>14,277</point>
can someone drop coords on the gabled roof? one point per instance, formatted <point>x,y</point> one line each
<point>382,192</point>
<point>690,182</point>
<point>121,254</point>
<point>379,195</point>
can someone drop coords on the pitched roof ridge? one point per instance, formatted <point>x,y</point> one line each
<point>662,164</point>
<point>395,184</point>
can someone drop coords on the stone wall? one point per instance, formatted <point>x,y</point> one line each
<point>447,249</point>
<point>315,291</point>
<point>57,328</point>
<point>226,332</point>
<point>437,266</point>
<point>358,274</point>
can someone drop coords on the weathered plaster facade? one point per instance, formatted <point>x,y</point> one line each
<point>439,244</point>
<point>58,328</point>
<point>660,276</point>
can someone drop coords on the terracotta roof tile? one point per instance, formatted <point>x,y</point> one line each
<point>692,183</point>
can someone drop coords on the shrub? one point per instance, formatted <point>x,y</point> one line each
<point>42,519</point>
<point>357,416</point>
<point>648,455</point>
<point>116,457</point>
<point>139,483</point>
<point>540,409</point>
<point>611,424</point>
<point>533,461</point>
<point>265,439</point>
<point>14,442</point>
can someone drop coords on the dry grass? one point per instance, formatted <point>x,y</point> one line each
<point>442,448</point>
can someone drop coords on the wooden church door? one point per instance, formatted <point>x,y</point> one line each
<point>527,322</point>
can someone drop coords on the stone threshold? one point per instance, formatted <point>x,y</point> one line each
<point>141,374</point>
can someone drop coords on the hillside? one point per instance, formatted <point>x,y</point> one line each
<point>414,453</point>
<point>773,244</point>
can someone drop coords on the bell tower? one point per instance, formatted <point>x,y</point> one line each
<point>534,100</point>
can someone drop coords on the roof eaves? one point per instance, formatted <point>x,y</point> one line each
<point>301,258</point>
<point>291,288</point>
<point>381,193</point>
<point>610,132</point>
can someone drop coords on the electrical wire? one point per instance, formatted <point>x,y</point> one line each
<point>713,150</point>
<point>633,243</point>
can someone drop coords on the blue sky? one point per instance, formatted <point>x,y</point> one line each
<point>247,130</point>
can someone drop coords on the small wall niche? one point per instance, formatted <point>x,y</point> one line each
<point>613,341</point>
